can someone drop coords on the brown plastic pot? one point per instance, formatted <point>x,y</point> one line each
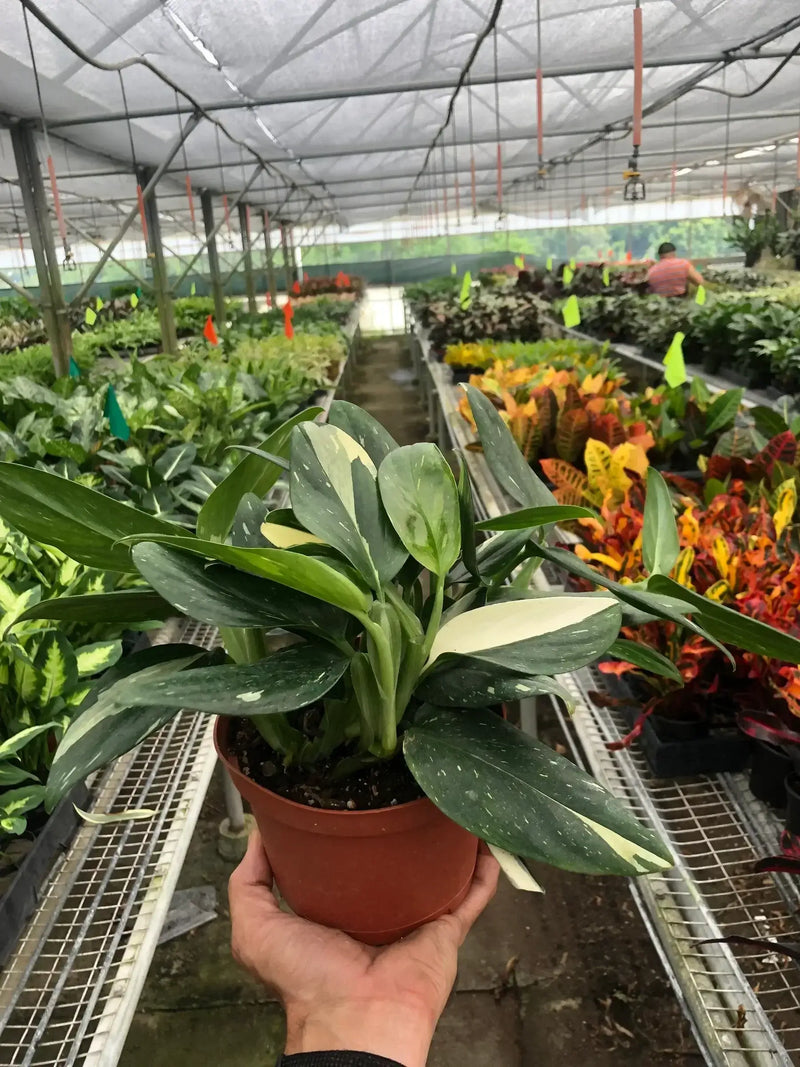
<point>377,875</point>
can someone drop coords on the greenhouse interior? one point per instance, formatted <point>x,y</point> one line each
<point>399,533</point>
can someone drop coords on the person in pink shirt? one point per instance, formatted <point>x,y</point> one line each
<point>670,275</point>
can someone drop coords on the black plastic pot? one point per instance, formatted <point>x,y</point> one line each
<point>669,729</point>
<point>19,901</point>
<point>793,803</point>
<point>768,773</point>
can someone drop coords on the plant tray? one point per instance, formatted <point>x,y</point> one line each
<point>21,898</point>
<point>719,751</point>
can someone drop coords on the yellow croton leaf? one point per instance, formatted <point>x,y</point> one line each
<point>722,556</point>
<point>719,590</point>
<point>683,567</point>
<point>786,496</point>
<point>689,526</point>
<point>582,552</point>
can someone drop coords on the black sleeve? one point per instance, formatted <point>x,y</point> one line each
<point>336,1059</point>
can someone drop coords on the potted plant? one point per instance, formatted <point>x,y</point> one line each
<point>752,235</point>
<point>787,243</point>
<point>403,642</point>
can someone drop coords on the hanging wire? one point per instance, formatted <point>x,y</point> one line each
<point>139,193</point>
<point>17,225</point>
<point>224,191</point>
<point>457,188</point>
<point>472,154</point>
<point>69,259</point>
<point>539,182</point>
<point>189,196</point>
<point>725,157</point>
<point>497,131</point>
<point>674,184</point>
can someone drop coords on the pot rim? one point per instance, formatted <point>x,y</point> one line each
<point>221,727</point>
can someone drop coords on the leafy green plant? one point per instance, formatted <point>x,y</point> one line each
<point>405,635</point>
<point>753,235</point>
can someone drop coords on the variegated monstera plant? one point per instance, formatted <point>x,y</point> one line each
<point>407,633</point>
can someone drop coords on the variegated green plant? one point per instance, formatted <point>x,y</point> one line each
<point>406,635</point>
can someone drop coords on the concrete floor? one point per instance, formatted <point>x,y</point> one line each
<point>544,981</point>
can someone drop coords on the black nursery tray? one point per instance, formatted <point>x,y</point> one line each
<point>722,750</point>
<point>20,900</point>
<point>717,752</point>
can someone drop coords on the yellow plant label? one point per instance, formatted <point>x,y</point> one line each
<point>674,366</point>
<point>571,312</point>
<point>700,295</point>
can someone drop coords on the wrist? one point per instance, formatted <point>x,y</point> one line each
<point>394,1030</point>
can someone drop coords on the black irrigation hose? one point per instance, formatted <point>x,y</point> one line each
<point>490,25</point>
<point>142,62</point>
<point>758,88</point>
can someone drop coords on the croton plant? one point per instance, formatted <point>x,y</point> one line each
<point>406,633</point>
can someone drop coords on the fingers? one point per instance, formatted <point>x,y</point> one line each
<point>483,888</point>
<point>254,872</point>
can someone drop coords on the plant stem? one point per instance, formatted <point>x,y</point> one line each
<point>386,684</point>
<point>436,615</point>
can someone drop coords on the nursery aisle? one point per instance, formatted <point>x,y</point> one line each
<point>570,976</point>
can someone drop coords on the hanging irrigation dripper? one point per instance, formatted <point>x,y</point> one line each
<point>634,187</point>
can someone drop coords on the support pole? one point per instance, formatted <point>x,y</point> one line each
<point>163,293</point>
<point>271,282</point>
<point>54,308</point>
<point>249,281</point>
<point>287,262</point>
<point>207,205</point>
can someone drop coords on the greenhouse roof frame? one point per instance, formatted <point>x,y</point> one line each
<point>334,132</point>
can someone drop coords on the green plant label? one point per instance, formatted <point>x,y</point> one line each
<point>465,298</point>
<point>453,268</point>
<point>567,275</point>
<point>549,263</point>
<point>134,300</point>
<point>571,312</point>
<point>116,420</point>
<point>606,277</point>
<point>90,317</point>
<point>98,304</point>
<point>74,369</point>
<point>193,289</point>
<point>700,295</point>
<point>519,262</point>
<point>674,366</point>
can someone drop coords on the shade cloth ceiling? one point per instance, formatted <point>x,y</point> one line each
<point>343,99</point>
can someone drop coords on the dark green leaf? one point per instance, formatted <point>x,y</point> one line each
<point>646,658</point>
<point>503,455</point>
<point>362,427</point>
<point>517,793</point>
<point>251,475</point>
<point>130,605</point>
<point>464,682</point>
<point>530,517</point>
<point>466,510</point>
<point>84,524</point>
<point>57,666</point>
<point>722,410</point>
<point>731,626</point>
<point>176,461</point>
<point>246,528</point>
<point>289,679</point>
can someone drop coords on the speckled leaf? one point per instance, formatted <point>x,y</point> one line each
<point>362,427</point>
<point>420,495</point>
<point>106,728</point>
<point>246,527</point>
<point>466,509</point>
<point>83,523</point>
<point>502,453</point>
<point>223,596</point>
<point>334,493</point>
<point>495,558</point>
<point>289,679</point>
<point>463,682</point>
<point>252,475</point>
<point>515,792</point>
<point>57,666</point>
<point>301,573</point>
<point>546,635</point>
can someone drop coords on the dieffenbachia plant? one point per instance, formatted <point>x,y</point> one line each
<point>406,633</point>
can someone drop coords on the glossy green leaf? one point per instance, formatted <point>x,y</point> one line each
<point>176,461</point>
<point>362,427</point>
<point>106,728</point>
<point>14,744</point>
<point>246,528</point>
<point>11,774</point>
<point>129,605</point>
<point>251,475</point>
<point>17,802</point>
<point>722,410</point>
<point>466,510</point>
<point>97,657</point>
<point>660,543</point>
<point>545,635</point>
<point>464,682</point>
<point>334,493</point>
<point>420,495</point>
<point>732,627</point>
<point>517,793</point>
<point>505,460</point>
<point>646,658</point>
<point>302,573</point>
<point>221,595</point>
<point>530,517</point>
<point>289,679</point>
<point>84,524</point>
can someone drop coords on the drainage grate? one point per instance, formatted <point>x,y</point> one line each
<point>69,992</point>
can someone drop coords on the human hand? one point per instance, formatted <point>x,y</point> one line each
<point>339,993</point>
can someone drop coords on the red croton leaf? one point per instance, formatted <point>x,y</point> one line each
<point>782,448</point>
